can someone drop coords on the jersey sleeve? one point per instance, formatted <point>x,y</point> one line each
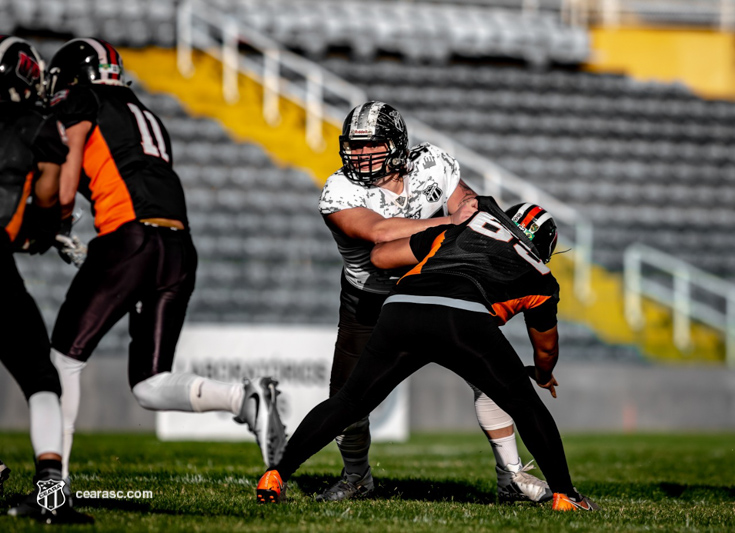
<point>75,105</point>
<point>422,242</point>
<point>451,170</point>
<point>49,145</point>
<point>543,316</point>
<point>339,193</point>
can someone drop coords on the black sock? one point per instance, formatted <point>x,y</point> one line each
<point>48,469</point>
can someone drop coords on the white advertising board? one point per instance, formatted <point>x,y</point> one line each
<point>300,358</point>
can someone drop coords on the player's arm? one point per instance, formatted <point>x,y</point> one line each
<point>363,223</point>
<point>71,170</point>
<point>393,254</point>
<point>46,189</point>
<point>545,355</point>
<point>407,251</point>
<point>462,195</point>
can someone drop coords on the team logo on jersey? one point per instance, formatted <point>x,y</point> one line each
<point>50,494</point>
<point>27,69</point>
<point>401,200</point>
<point>433,193</point>
<point>429,162</point>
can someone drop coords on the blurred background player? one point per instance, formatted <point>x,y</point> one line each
<point>143,261</point>
<point>386,191</point>
<point>31,152</point>
<point>448,309</point>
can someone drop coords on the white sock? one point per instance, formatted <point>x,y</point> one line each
<point>69,374</point>
<point>46,423</point>
<point>505,450</point>
<point>210,395</point>
<point>184,391</point>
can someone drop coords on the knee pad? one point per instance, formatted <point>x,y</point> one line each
<point>165,392</point>
<point>489,415</point>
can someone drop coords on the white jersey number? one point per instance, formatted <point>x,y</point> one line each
<point>489,226</point>
<point>159,148</point>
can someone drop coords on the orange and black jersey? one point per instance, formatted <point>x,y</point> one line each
<point>485,260</point>
<point>26,139</point>
<point>127,172</point>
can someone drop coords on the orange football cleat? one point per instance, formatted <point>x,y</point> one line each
<point>271,488</point>
<point>562,502</point>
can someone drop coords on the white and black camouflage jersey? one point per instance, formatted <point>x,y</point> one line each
<point>432,178</point>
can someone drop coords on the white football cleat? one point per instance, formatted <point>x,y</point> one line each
<point>259,411</point>
<point>515,485</point>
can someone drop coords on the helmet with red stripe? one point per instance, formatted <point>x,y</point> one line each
<point>83,62</point>
<point>21,71</point>
<point>538,225</point>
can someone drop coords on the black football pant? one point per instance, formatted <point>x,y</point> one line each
<point>146,271</point>
<point>24,349</point>
<point>358,314</point>
<point>409,336</point>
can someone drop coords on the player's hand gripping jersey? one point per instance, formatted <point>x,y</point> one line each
<point>490,262</point>
<point>26,139</point>
<point>127,173</point>
<point>432,178</point>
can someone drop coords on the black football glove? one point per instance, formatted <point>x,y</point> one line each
<point>38,230</point>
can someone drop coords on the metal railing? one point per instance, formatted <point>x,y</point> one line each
<point>678,297</point>
<point>287,75</point>
<point>718,14</point>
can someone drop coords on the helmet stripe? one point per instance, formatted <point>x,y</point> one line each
<point>7,43</point>
<point>113,60</point>
<point>355,118</point>
<point>543,218</point>
<point>531,215</point>
<point>519,213</point>
<point>101,52</point>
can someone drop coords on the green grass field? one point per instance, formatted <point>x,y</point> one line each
<point>433,483</point>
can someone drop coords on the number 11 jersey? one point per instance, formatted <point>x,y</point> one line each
<point>127,171</point>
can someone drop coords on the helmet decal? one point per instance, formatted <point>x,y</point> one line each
<point>21,71</point>
<point>28,69</point>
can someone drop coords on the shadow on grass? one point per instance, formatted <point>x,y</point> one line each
<point>696,492</point>
<point>407,489</point>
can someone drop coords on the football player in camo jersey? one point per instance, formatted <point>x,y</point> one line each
<point>387,191</point>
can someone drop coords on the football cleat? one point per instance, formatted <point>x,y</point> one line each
<point>516,485</point>
<point>350,487</point>
<point>30,507</point>
<point>562,502</point>
<point>271,488</point>
<point>259,410</point>
<point>4,475</point>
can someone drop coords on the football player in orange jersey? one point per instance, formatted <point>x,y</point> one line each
<point>448,309</point>
<point>143,261</point>
<point>32,148</point>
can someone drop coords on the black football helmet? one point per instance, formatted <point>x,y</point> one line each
<point>21,71</point>
<point>373,122</point>
<point>83,62</point>
<point>538,225</point>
